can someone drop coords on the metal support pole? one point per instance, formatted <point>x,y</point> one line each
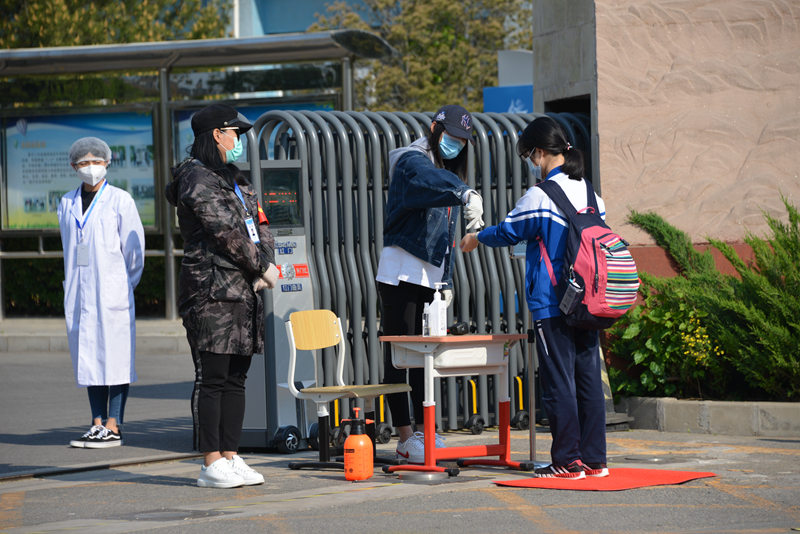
<point>163,173</point>
<point>347,84</point>
<point>532,399</point>
<point>2,299</point>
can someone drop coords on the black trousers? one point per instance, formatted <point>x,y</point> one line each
<point>401,314</point>
<point>218,400</point>
<point>572,391</point>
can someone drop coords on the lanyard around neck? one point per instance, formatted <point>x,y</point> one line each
<point>82,223</point>
<point>239,194</point>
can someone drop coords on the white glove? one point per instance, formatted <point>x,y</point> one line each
<point>447,295</point>
<point>473,212</point>
<point>270,276</point>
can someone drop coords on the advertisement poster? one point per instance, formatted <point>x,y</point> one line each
<point>38,172</point>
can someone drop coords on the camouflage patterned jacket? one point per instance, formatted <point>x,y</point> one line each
<point>220,310</point>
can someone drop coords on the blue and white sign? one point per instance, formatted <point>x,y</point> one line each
<point>508,99</point>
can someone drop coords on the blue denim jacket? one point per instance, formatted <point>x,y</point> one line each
<point>420,197</point>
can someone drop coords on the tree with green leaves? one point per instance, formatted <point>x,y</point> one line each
<point>446,51</point>
<point>45,23</point>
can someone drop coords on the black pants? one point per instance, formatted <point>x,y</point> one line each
<point>218,400</point>
<point>572,391</point>
<point>401,314</point>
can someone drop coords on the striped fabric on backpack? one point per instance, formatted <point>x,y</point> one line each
<point>622,284</point>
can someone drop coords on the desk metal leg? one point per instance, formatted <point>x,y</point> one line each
<point>532,398</point>
<point>429,427</point>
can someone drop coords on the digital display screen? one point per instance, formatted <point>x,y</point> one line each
<point>281,197</point>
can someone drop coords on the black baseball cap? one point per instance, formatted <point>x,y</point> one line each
<point>218,116</point>
<point>456,121</point>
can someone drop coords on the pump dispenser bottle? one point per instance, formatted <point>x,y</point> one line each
<point>436,314</point>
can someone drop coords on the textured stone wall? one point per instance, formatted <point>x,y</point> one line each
<point>698,112</point>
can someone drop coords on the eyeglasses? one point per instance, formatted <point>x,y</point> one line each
<point>233,130</point>
<point>527,153</point>
<point>82,164</point>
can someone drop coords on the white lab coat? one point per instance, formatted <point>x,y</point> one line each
<point>98,297</point>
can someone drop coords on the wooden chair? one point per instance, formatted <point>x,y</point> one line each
<point>313,330</point>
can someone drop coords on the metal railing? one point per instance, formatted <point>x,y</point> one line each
<point>344,174</point>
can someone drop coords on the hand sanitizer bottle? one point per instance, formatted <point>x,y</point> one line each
<point>437,313</point>
<point>426,319</point>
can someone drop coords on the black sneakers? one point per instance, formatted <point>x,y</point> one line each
<point>98,437</point>
<point>104,438</point>
<point>80,443</point>
<point>595,470</point>
<point>573,471</point>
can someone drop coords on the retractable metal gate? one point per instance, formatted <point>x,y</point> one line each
<point>343,175</point>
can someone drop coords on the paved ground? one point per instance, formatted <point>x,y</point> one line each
<point>148,484</point>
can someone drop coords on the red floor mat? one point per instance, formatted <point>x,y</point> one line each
<point>620,478</point>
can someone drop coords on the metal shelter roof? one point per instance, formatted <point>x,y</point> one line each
<point>279,48</point>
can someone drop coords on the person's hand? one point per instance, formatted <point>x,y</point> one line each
<point>473,212</point>
<point>469,242</point>
<point>259,284</point>
<point>270,276</point>
<point>447,295</point>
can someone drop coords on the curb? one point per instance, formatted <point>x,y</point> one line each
<point>668,414</point>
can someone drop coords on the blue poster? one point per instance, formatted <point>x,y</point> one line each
<point>38,171</point>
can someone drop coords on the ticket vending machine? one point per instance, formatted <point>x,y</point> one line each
<point>273,418</point>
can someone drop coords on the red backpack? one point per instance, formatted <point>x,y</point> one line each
<point>599,281</point>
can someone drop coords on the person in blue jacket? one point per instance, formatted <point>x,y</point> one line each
<point>426,190</point>
<point>569,358</point>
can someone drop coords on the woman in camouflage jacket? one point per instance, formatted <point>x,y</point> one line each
<point>228,259</point>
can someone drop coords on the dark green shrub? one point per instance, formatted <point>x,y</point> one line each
<point>709,335</point>
<point>32,288</point>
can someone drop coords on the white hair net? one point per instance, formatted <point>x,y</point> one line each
<point>89,145</point>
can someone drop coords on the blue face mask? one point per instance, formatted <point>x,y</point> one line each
<point>535,170</point>
<point>450,147</point>
<point>233,154</point>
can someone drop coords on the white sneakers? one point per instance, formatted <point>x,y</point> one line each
<point>250,476</point>
<point>412,450</point>
<point>219,474</point>
<point>225,473</point>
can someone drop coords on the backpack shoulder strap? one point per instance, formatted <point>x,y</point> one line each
<point>559,198</point>
<point>591,199</point>
<point>557,195</point>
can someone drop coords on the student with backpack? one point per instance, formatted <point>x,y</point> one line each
<point>569,357</point>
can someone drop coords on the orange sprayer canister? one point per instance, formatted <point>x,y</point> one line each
<point>358,464</point>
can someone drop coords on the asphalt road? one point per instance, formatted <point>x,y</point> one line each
<point>148,485</point>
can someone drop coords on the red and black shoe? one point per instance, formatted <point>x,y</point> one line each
<point>595,470</point>
<point>573,471</point>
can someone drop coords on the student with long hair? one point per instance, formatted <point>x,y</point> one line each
<point>426,191</point>
<point>569,358</point>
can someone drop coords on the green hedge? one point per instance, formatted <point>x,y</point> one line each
<point>32,288</point>
<point>703,334</point>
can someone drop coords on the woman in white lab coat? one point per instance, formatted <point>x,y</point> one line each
<point>103,242</point>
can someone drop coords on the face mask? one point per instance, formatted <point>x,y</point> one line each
<point>535,170</point>
<point>449,147</point>
<point>233,155</point>
<point>92,174</point>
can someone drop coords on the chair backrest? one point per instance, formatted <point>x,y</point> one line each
<point>315,329</point>
<point>312,330</point>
